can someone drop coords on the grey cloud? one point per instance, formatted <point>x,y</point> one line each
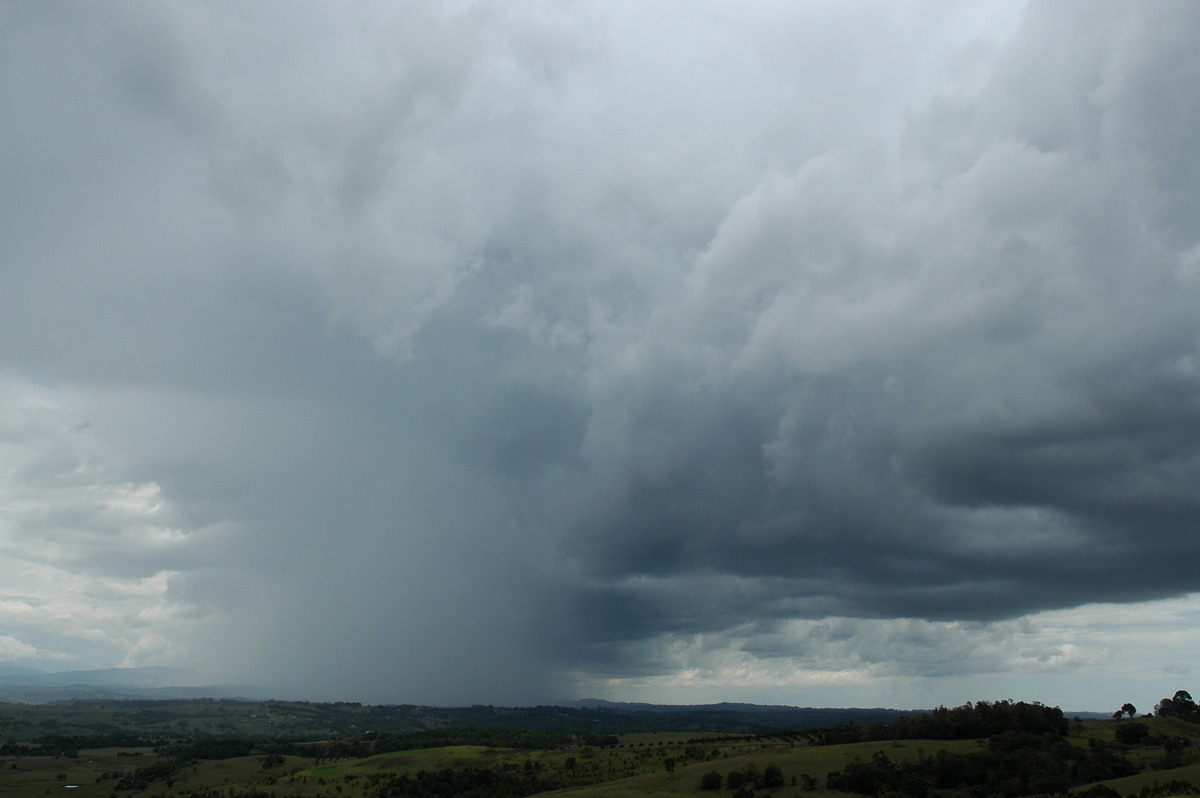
<point>513,341</point>
<point>1014,341</point>
<point>895,650</point>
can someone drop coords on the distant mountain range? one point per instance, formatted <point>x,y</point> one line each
<point>727,706</point>
<point>32,686</point>
<point>125,677</point>
<point>16,670</point>
<point>724,706</point>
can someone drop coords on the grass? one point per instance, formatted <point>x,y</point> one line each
<point>641,766</point>
<point>795,761</point>
<point>1132,785</point>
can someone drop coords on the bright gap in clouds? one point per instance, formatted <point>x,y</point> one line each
<point>1089,658</point>
<point>812,354</point>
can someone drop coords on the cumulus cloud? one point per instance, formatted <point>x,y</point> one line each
<point>562,344</point>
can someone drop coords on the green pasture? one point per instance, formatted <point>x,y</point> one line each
<point>657,764</point>
<point>83,778</point>
<point>795,761</point>
<point>640,756</point>
<point>1132,785</point>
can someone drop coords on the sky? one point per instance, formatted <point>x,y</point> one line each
<point>821,354</point>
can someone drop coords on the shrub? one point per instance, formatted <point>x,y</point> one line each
<point>1132,733</point>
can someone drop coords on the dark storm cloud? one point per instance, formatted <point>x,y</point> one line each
<point>973,398</point>
<point>490,344</point>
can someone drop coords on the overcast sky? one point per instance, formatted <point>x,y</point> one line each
<point>824,353</point>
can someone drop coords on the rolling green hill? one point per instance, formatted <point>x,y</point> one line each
<point>185,750</point>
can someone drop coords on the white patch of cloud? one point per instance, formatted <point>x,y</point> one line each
<point>88,554</point>
<point>12,649</point>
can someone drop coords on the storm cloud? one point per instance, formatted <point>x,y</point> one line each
<point>494,351</point>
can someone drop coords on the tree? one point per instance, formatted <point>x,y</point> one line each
<point>1132,733</point>
<point>1129,709</point>
<point>710,781</point>
<point>1180,704</point>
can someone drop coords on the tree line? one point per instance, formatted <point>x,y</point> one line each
<point>969,721</point>
<point>1013,764</point>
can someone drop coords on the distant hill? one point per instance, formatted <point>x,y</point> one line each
<point>31,686</point>
<point>124,677</point>
<point>22,685</point>
<point>16,670</point>
<point>819,716</point>
<point>724,706</point>
<point>755,718</point>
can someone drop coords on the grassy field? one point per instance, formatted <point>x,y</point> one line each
<point>659,764</point>
<point>796,762</point>
<point>638,768</point>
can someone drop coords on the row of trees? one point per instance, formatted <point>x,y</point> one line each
<point>970,721</point>
<point>1180,704</point>
<point>1013,764</point>
<point>746,778</point>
